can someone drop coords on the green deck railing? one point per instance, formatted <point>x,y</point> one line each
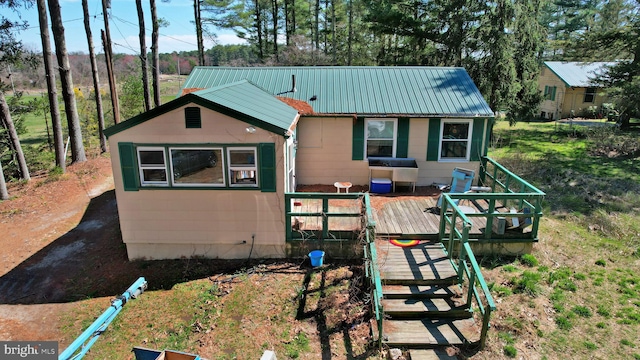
<point>508,191</point>
<point>325,233</point>
<point>366,234</point>
<point>372,271</point>
<point>458,235</point>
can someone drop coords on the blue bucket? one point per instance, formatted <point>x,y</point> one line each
<point>316,256</point>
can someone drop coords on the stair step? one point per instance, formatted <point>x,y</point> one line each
<point>431,354</point>
<point>419,292</point>
<point>429,333</point>
<point>425,308</point>
<point>400,278</point>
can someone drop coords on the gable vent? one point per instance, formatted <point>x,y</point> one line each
<point>192,118</point>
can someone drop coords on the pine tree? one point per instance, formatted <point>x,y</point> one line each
<point>66,80</point>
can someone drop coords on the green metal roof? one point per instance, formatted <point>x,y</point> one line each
<point>363,90</point>
<point>241,100</point>
<point>246,98</point>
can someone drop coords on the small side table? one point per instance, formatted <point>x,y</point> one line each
<point>342,185</point>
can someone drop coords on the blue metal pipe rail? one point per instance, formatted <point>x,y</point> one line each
<point>80,346</point>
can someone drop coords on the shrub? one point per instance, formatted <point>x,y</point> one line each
<point>601,262</point>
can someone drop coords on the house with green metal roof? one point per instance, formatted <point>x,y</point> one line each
<point>569,89</point>
<point>206,173</point>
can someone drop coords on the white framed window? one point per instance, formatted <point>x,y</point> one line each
<point>152,167</point>
<point>196,166</point>
<point>380,137</point>
<point>243,170</point>
<point>455,140</point>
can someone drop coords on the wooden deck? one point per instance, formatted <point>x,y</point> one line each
<point>411,217</point>
<point>422,302</point>
<point>396,216</point>
<point>415,265</point>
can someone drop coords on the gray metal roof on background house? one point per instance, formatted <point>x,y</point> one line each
<point>578,74</point>
<point>422,91</point>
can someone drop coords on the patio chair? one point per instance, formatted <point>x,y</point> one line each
<point>460,183</point>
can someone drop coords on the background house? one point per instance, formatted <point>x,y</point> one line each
<point>270,129</point>
<point>568,89</point>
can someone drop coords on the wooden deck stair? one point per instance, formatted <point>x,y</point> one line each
<point>422,302</point>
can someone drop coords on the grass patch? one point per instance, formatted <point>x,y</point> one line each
<point>510,351</point>
<point>527,283</point>
<point>223,319</point>
<point>564,323</point>
<point>582,311</point>
<point>529,260</point>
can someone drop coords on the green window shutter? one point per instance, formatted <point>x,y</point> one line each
<point>476,139</point>
<point>553,93</point>
<point>128,166</point>
<point>192,118</point>
<point>546,92</point>
<point>433,141</point>
<point>357,142</point>
<point>267,158</point>
<point>402,145</point>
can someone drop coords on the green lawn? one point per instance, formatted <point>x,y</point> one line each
<point>581,297</point>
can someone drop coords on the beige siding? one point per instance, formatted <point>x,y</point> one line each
<point>554,107</point>
<point>324,154</point>
<point>567,98</point>
<point>172,223</point>
<point>574,100</point>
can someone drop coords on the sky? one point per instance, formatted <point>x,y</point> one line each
<point>123,25</point>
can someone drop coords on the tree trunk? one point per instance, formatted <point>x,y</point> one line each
<point>259,29</point>
<point>69,97</point>
<point>143,57</point>
<point>4,194</point>
<point>108,55</point>
<point>316,25</point>
<point>334,41</point>
<point>198,21</point>
<point>287,26</point>
<point>5,115</point>
<point>52,90</point>
<point>155,55</point>
<point>96,79</point>
<point>274,14</point>
<point>350,36</point>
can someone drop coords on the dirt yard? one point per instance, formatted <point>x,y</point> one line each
<point>61,243</point>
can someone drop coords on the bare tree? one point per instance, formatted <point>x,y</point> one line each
<point>108,55</point>
<point>143,57</point>
<point>96,79</point>
<point>155,55</point>
<point>52,90</point>
<point>7,122</point>
<point>69,97</point>
<point>198,21</point>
